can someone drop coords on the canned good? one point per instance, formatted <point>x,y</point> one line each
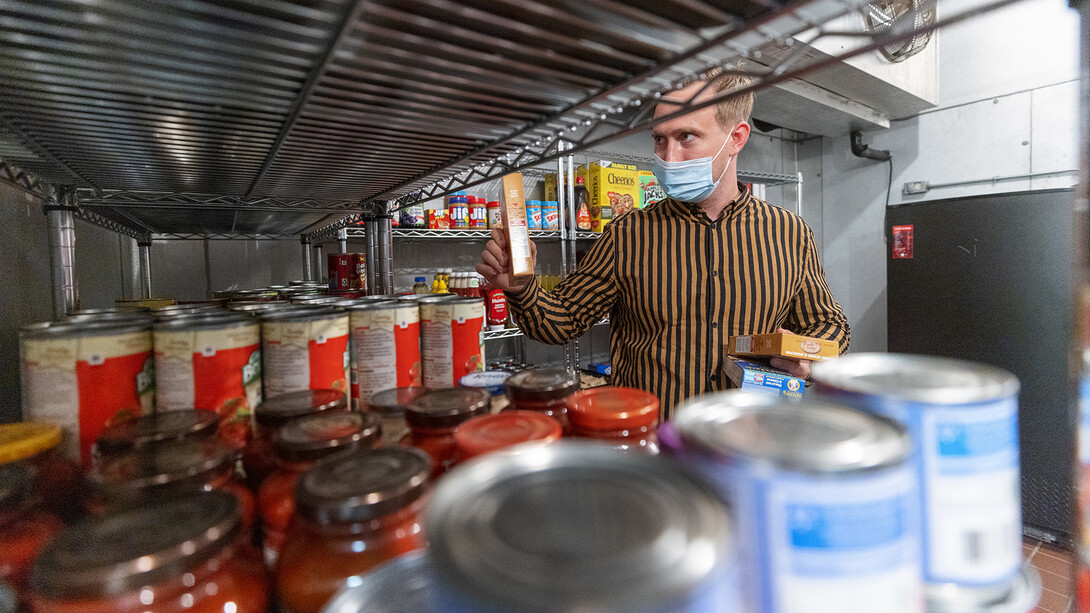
<point>385,347</point>
<point>402,585</point>
<point>435,415</point>
<point>495,214</point>
<point>154,429</point>
<point>306,349</point>
<point>544,390</point>
<point>533,214</point>
<point>259,456</point>
<point>488,433</point>
<point>25,527</point>
<point>451,339</point>
<point>827,503</point>
<point>963,418</point>
<point>340,270</point>
<point>83,376</point>
<point>354,512</point>
<point>185,551</point>
<point>622,417</point>
<point>210,362</point>
<point>1022,597</point>
<point>578,527</point>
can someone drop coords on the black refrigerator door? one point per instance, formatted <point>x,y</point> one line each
<point>989,279</point>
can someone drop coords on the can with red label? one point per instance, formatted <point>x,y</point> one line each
<point>385,347</point>
<point>305,349</point>
<point>341,268</point>
<point>210,362</point>
<point>359,272</point>
<point>451,339</point>
<point>83,376</point>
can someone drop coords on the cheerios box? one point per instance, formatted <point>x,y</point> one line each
<point>613,188</point>
<point>783,345</point>
<point>759,377</point>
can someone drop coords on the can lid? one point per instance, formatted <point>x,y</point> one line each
<point>172,463</point>
<point>446,408</point>
<point>27,439</point>
<point>394,401</point>
<point>491,380</point>
<point>402,585</point>
<point>537,384</point>
<point>917,378</point>
<point>612,408</point>
<point>203,321</point>
<point>64,329</point>
<point>575,526</point>
<point>362,485</point>
<point>303,312</point>
<point>487,433</point>
<point>1020,595</point>
<point>376,305</point>
<point>155,428</point>
<point>316,436</point>
<point>136,547</point>
<point>808,436</point>
<point>434,298</point>
<point>281,409</point>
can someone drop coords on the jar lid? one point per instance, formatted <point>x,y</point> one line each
<point>27,439</point>
<point>362,485</point>
<point>487,433</point>
<point>281,409</point>
<point>316,436</point>
<point>446,408</point>
<point>136,547</point>
<point>402,585</point>
<point>394,401</point>
<point>612,408</point>
<point>915,378</point>
<point>179,462</point>
<point>155,428</point>
<point>540,384</point>
<point>491,380</point>
<point>576,526</point>
<point>808,436</point>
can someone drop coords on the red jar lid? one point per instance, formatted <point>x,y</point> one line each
<point>487,433</point>
<point>612,408</point>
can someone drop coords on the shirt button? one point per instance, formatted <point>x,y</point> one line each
<point>715,325</point>
<point>715,273</point>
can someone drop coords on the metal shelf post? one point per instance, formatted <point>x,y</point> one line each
<point>145,267</point>
<point>59,212</point>
<point>308,267</point>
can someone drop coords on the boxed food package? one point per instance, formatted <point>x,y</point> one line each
<point>518,232</point>
<point>754,376</point>
<point>437,219</point>
<point>550,186</point>
<point>649,189</point>
<point>614,188</point>
<point>783,345</point>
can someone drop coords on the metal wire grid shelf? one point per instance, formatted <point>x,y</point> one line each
<point>490,335</point>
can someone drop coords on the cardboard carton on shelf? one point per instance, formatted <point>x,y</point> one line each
<point>757,376</point>
<point>782,345</point>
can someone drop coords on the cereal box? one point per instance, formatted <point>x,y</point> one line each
<point>614,188</point>
<point>649,189</point>
<point>514,219</point>
<point>550,186</point>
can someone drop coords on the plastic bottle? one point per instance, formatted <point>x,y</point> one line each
<point>420,286</point>
<point>582,215</point>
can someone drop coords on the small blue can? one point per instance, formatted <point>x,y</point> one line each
<point>533,214</point>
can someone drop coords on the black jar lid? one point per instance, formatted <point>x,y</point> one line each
<point>317,436</point>
<point>446,408</point>
<point>362,485</point>
<point>394,401</point>
<point>541,384</point>
<point>155,428</point>
<point>179,463</point>
<point>136,547</point>
<point>281,409</point>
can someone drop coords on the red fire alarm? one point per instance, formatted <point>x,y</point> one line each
<point>902,242</point>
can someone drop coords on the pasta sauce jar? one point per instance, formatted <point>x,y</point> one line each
<point>299,445</point>
<point>259,457</point>
<point>390,406</point>
<point>177,555</point>
<point>155,429</point>
<point>57,480</point>
<point>544,390</point>
<point>434,416</point>
<point>488,433</point>
<point>623,417</point>
<point>354,511</point>
<point>25,528</point>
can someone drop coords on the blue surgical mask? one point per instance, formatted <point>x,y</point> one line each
<point>689,180</point>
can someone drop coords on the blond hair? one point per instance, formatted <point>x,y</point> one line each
<point>735,108</point>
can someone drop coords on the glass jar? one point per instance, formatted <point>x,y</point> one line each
<point>25,528</point>
<point>390,406</point>
<point>154,429</point>
<point>168,469</point>
<point>354,511</point>
<point>623,417</point>
<point>58,481</point>
<point>488,433</point>
<point>184,554</point>
<point>299,445</point>
<point>544,390</point>
<point>435,415</point>
<point>259,457</point>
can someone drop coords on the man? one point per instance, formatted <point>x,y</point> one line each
<point>682,275</point>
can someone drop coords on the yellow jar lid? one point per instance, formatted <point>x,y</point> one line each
<point>27,439</point>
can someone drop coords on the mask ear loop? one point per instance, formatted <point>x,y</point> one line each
<point>729,157</point>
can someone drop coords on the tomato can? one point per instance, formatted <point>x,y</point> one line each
<point>385,347</point>
<point>826,500</point>
<point>340,270</point>
<point>82,376</point>
<point>209,362</point>
<point>451,339</point>
<point>305,349</point>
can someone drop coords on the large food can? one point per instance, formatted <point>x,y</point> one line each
<point>826,501</point>
<point>571,526</point>
<point>340,271</point>
<point>304,349</point>
<point>451,339</point>
<point>963,418</point>
<point>209,362</point>
<point>82,376</point>
<point>385,347</point>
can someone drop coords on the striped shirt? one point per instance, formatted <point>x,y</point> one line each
<point>676,284</point>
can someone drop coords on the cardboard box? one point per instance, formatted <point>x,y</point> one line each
<point>783,345</point>
<point>649,189</point>
<point>551,186</point>
<point>614,188</point>
<point>518,231</point>
<point>758,377</point>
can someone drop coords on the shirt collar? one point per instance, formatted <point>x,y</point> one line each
<point>693,211</point>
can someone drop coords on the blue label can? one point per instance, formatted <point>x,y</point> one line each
<point>963,418</point>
